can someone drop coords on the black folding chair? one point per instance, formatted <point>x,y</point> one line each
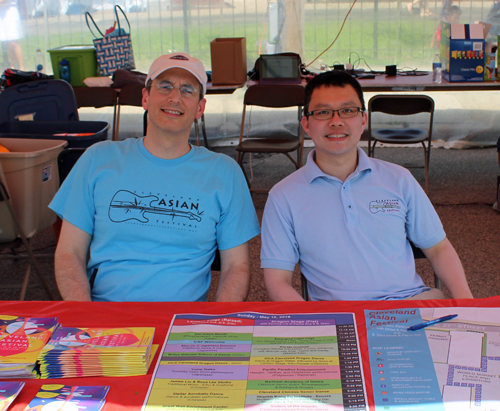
<point>402,105</point>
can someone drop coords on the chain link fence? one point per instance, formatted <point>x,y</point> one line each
<point>376,32</point>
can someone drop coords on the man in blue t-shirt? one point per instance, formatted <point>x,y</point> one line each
<point>143,218</point>
<point>346,218</point>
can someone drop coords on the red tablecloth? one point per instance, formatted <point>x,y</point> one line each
<point>127,393</point>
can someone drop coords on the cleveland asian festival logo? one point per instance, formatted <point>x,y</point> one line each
<point>385,206</point>
<point>126,206</point>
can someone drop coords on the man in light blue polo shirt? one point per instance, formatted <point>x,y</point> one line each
<point>346,218</point>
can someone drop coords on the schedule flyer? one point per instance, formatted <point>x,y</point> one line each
<point>448,366</point>
<point>259,362</point>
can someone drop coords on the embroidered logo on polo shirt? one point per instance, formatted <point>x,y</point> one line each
<point>384,206</point>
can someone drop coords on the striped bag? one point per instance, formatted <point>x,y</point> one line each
<point>114,50</point>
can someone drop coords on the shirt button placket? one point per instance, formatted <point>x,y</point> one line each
<point>350,215</point>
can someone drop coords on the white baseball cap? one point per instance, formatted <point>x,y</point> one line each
<point>179,60</point>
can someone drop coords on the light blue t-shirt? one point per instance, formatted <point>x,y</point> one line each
<point>350,238</point>
<point>155,223</point>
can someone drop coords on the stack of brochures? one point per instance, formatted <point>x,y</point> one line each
<point>89,352</point>
<point>66,397</point>
<point>21,342</point>
<point>8,392</point>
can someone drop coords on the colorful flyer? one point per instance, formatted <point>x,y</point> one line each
<point>102,340</point>
<point>8,393</point>
<point>259,362</point>
<point>55,397</point>
<point>80,352</point>
<point>446,366</point>
<point>22,339</point>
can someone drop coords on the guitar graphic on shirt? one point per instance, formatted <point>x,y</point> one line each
<point>126,206</point>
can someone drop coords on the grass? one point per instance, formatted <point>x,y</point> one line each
<point>393,38</point>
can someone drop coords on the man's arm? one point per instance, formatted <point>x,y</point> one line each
<point>71,263</point>
<point>447,266</point>
<point>279,285</point>
<point>234,281</point>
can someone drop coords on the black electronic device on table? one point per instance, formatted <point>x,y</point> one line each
<point>279,69</point>
<point>365,76</point>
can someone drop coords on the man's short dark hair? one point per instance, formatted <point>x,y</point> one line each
<point>333,78</point>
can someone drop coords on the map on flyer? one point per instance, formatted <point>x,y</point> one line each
<point>448,366</point>
<point>259,362</point>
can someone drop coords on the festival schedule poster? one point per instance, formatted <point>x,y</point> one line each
<point>448,366</point>
<point>259,362</point>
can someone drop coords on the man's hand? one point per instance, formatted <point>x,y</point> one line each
<point>234,281</point>
<point>448,268</point>
<point>279,285</point>
<point>71,263</point>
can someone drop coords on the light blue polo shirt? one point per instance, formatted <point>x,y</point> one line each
<point>350,238</point>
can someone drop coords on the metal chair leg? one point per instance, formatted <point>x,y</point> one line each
<point>373,149</point>
<point>427,165</point>
<point>25,282</point>
<point>25,243</point>
<point>204,131</point>
<point>426,174</point>
<point>37,267</point>
<point>437,282</point>
<point>117,126</point>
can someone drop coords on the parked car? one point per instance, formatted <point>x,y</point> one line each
<point>130,6</point>
<point>72,7</point>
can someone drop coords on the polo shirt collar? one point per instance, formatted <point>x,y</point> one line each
<point>364,162</point>
<point>312,171</point>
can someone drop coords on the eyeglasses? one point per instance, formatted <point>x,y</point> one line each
<point>166,88</point>
<point>346,112</point>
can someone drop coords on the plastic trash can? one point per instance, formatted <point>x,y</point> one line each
<point>78,134</point>
<point>32,177</point>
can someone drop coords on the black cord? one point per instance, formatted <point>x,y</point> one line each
<point>412,72</point>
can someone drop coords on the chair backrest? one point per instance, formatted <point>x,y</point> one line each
<point>66,160</point>
<point>95,96</point>
<point>401,104</point>
<point>43,100</point>
<point>276,96</point>
<point>131,95</point>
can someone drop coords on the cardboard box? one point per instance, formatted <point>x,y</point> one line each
<point>462,52</point>
<point>229,60</point>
